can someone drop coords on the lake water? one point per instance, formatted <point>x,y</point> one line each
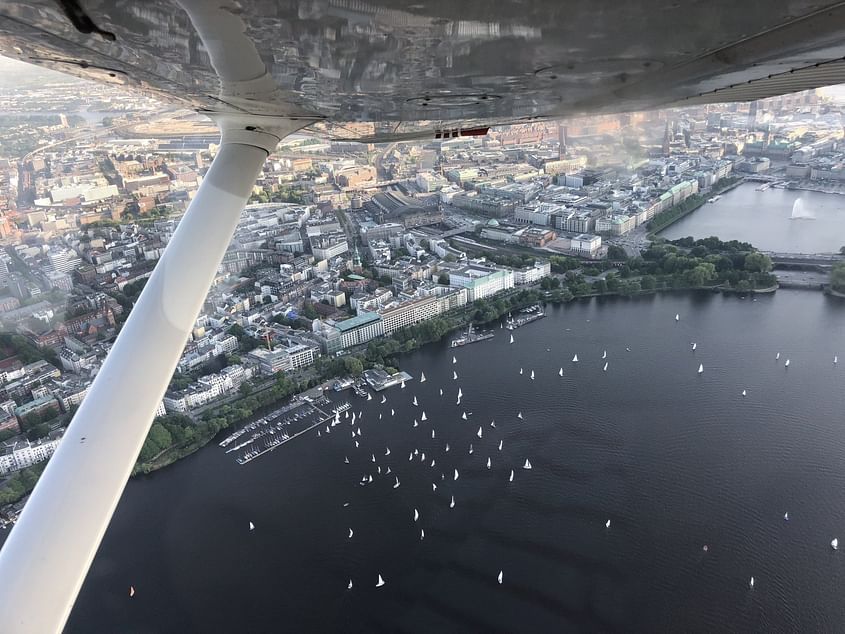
<point>764,220</point>
<point>674,459</point>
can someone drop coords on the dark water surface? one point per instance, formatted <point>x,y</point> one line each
<point>764,220</point>
<point>674,459</point>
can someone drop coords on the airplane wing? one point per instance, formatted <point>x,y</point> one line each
<point>378,70</point>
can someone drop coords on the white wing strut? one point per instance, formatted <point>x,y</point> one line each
<point>47,555</point>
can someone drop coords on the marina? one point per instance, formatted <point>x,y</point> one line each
<point>529,315</point>
<point>471,337</point>
<point>380,380</point>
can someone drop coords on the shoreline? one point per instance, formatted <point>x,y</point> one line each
<point>713,192</point>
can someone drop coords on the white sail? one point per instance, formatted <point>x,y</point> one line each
<point>349,587</point>
<point>454,360</point>
<point>500,444</point>
<point>511,338</point>
<point>786,365</point>
<point>500,577</point>
<point>457,475</point>
<point>388,471</point>
<point>532,375</point>
<point>432,463</point>
<point>492,423</point>
<point>422,457</point>
<point>835,359</point>
<point>834,543</point>
<point>356,444</point>
<point>369,396</point>
<point>575,359</point>
<point>416,424</point>
<point>604,369</point>
<point>447,446</point>
<point>744,392</point>
<point>777,356</point>
<point>380,582</point>
<point>373,457</point>
<point>511,478</point>
<point>480,432</point>
<point>694,345</point>
<point>351,532</point>
<point>604,355</point>
<point>677,317</point>
<point>464,415</point>
<point>251,526</point>
<point>422,377</point>
<point>560,372</point>
<point>519,416</point>
<point>489,463</point>
<point>470,447</point>
<point>416,403</point>
<point>441,391</point>
<point>416,452</point>
<point>416,515</point>
<point>387,451</point>
<point>527,464</point>
<point>370,479</point>
<point>751,582</point>
<point>402,385</point>
<point>383,399</point>
<point>786,516</point>
<point>700,368</point>
<point>452,502</point>
<point>433,487</point>
<point>396,484</point>
<point>460,393</point>
<point>422,534</point>
<point>520,371</point>
<point>607,524</point>
<point>131,591</point>
<point>423,417</point>
<point>432,433</point>
<point>454,375</point>
<point>392,412</point>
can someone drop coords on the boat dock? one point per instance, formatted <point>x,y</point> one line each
<point>380,380</point>
<point>281,426</point>
<point>471,337</point>
<point>529,315</point>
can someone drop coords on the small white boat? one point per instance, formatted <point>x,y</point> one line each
<point>700,368</point>
<point>480,432</point>
<point>402,385</point>
<point>489,463</point>
<point>460,393</point>
<point>575,359</point>
<point>387,451</point>
<point>416,424</point>
<point>373,457</point>
<point>416,515</point>
<point>396,484</point>
<point>834,543</point>
<point>447,447</point>
<point>835,359</point>
<point>416,403</point>
<point>356,444</point>
<point>751,583</point>
<point>532,375</point>
<point>370,479</point>
<point>786,365</point>
<point>422,457</point>
<point>560,372</point>
<point>432,463</point>
<point>422,377</point>
<point>383,399</point>
<point>441,391</point>
<point>454,360</point>
<point>500,444</point>
<point>777,356</point>
<point>470,448</point>
<point>432,433</point>
<point>500,577</point>
<point>464,415</point>
<point>380,582</point>
<point>492,423</point>
<point>454,375</point>
<point>392,413</point>
<point>604,369</point>
<point>346,460</point>
<point>457,475</point>
<point>131,591</point>
<point>604,355</point>
<point>388,471</point>
<point>510,479</point>
<point>251,526</point>
<point>423,417</point>
<point>351,532</point>
<point>527,464</point>
<point>369,397</point>
<point>416,452</point>
<point>694,345</point>
<point>452,502</point>
<point>349,587</point>
<point>511,338</point>
<point>422,534</point>
<point>519,416</point>
<point>744,393</point>
<point>677,317</point>
<point>786,516</point>
<point>607,524</point>
<point>520,371</point>
<point>433,487</point>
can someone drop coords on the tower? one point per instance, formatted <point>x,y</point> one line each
<point>561,133</point>
<point>666,139</point>
<point>752,116</point>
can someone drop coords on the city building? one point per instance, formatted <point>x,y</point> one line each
<point>480,281</point>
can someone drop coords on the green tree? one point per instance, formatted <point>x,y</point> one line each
<point>353,365</point>
<point>757,262</point>
<point>701,274</point>
<point>245,389</point>
<point>648,282</point>
<point>615,252</point>
<point>308,311</point>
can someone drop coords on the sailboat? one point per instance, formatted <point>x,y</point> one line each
<point>511,478</point>
<point>349,587</point>
<point>604,369</point>
<point>519,416</point>
<point>383,399</point>
<point>422,457</point>
<point>388,471</point>
<point>520,371</point>
<point>460,393</point>
<point>369,396</point>
<point>346,460</point>
<point>396,484</point>
<point>456,476</point>
<point>452,502</point>
<point>700,368</point>
<point>432,463</point>
<point>422,534</point>
<point>351,532</point>
<point>416,403</point>
<point>470,447</point>
<point>835,359</point>
<point>251,526</point>
<point>454,360</point>
<point>416,424</point>
<point>422,377</point>
<point>560,372</point>
<point>370,479</point>
<point>447,446</point>
<point>131,591</point>
<point>387,451</point>
<point>373,457</point>
<point>500,444</point>
<point>786,365</point>
<point>532,375</point>
<point>786,516</point>
<point>441,391</point>
<point>480,432</point>
<point>392,412</point>
<point>677,317</point>
<point>380,582</point>
<point>834,543</point>
<point>433,487</point>
<point>489,463</point>
<point>464,415</point>
<point>511,338</point>
<point>356,444</point>
<point>575,359</point>
<point>607,524</point>
<point>416,515</point>
<point>694,345</point>
<point>454,375</point>
<point>492,423</point>
<point>500,577</point>
<point>743,392</point>
<point>604,355</point>
<point>527,464</point>
<point>751,583</point>
<point>777,356</point>
<point>432,433</point>
<point>402,385</point>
